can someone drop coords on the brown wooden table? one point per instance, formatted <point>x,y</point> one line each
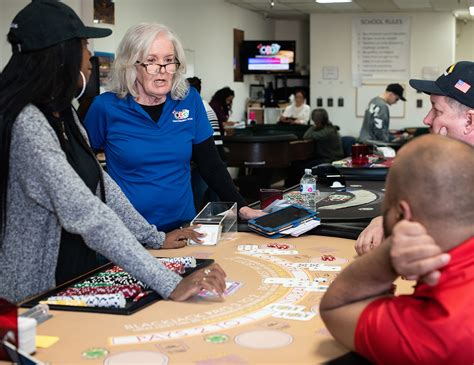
<point>272,151</point>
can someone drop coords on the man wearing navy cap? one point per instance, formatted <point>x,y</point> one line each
<point>452,101</point>
<point>451,114</point>
<point>377,116</point>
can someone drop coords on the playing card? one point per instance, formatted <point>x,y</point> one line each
<point>296,315</point>
<point>230,288</point>
<point>212,234</point>
<point>247,247</point>
<point>282,307</point>
<point>325,268</point>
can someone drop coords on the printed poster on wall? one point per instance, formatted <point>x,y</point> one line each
<point>380,48</point>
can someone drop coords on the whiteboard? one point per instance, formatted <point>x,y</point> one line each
<point>366,92</point>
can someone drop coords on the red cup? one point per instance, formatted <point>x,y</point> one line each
<point>360,154</point>
<point>268,196</point>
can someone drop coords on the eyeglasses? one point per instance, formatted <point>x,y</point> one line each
<point>155,68</point>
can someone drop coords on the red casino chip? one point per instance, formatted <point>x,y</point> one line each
<point>177,267</point>
<point>278,246</point>
<point>328,258</point>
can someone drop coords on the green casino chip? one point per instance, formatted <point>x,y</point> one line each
<point>217,338</point>
<point>94,353</point>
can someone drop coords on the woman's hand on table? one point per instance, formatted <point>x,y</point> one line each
<point>179,237</point>
<point>247,213</point>
<point>211,278</point>
<point>370,237</point>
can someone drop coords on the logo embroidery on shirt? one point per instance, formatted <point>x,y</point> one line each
<point>181,115</point>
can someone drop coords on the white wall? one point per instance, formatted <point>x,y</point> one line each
<point>432,45</point>
<point>295,30</point>
<point>8,10</point>
<point>205,26</point>
<point>464,40</point>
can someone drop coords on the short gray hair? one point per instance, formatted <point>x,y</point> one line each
<point>134,47</point>
<point>456,105</point>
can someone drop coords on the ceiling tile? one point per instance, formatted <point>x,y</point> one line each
<point>412,4</point>
<point>377,5</point>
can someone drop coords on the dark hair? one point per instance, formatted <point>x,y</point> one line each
<point>301,91</point>
<point>47,79</point>
<point>220,98</point>
<point>320,115</point>
<point>195,82</point>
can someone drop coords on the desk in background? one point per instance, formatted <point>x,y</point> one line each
<point>264,153</point>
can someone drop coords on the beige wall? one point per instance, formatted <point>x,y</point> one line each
<point>295,30</point>
<point>464,40</point>
<point>204,26</point>
<point>432,45</point>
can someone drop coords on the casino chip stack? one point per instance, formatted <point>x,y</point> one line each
<point>107,289</point>
<point>113,287</point>
<point>188,261</point>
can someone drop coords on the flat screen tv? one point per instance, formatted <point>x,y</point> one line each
<point>263,57</point>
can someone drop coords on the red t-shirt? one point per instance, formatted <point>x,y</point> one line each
<point>434,325</point>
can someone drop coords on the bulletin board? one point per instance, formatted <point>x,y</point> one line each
<point>367,92</point>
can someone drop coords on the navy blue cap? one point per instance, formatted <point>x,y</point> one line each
<point>44,23</point>
<point>456,82</point>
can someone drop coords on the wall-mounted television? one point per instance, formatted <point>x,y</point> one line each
<point>263,57</point>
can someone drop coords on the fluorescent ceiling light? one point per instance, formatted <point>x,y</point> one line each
<point>333,1</point>
<point>471,10</point>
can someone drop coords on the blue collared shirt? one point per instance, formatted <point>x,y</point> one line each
<point>149,160</point>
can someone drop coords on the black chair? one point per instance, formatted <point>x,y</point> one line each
<point>347,142</point>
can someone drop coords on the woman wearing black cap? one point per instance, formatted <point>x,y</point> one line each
<point>53,218</point>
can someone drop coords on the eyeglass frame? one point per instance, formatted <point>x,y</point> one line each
<point>145,65</point>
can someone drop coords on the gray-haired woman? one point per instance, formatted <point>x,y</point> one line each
<point>151,124</point>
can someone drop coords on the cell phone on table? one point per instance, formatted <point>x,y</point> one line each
<point>281,219</point>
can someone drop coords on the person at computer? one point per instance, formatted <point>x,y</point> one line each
<point>298,112</point>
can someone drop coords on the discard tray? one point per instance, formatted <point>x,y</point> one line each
<point>130,307</point>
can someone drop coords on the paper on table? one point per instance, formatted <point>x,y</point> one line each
<point>43,342</point>
<point>302,228</point>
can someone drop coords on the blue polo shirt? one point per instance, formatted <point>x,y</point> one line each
<point>149,160</point>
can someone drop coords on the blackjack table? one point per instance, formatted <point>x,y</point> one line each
<point>271,315</point>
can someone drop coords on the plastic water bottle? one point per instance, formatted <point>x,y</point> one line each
<point>308,189</point>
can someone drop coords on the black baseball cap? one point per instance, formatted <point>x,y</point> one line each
<point>44,23</point>
<point>456,82</point>
<point>397,89</point>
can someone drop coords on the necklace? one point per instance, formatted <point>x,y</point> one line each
<point>63,130</point>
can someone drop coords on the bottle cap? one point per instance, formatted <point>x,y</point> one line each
<point>307,171</point>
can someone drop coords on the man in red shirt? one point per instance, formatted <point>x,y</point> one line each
<point>428,197</point>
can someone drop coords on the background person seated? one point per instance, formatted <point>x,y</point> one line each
<point>221,103</point>
<point>298,111</point>
<point>327,147</point>
<point>433,325</point>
